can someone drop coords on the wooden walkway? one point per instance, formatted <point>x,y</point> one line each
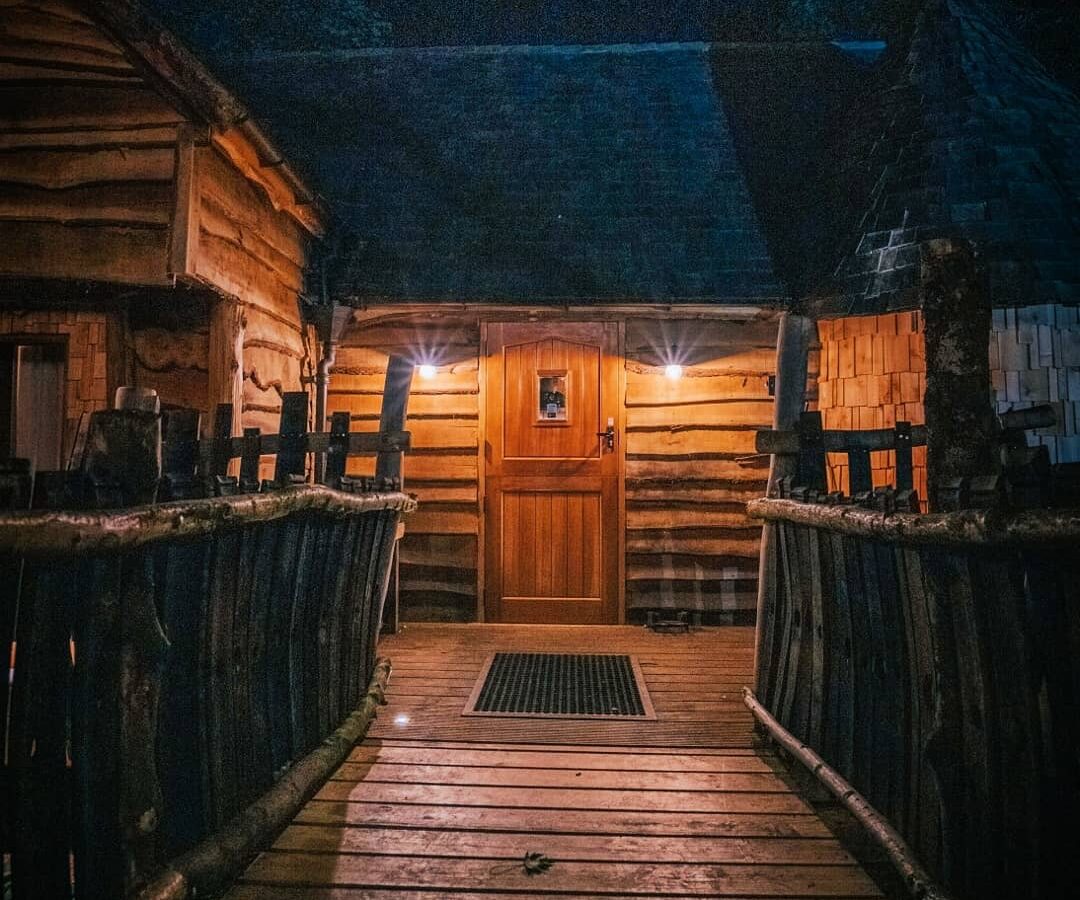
<point>436,805</point>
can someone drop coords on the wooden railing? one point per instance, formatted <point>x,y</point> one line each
<point>177,675</point>
<point>934,661</point>
<point>173,662</point>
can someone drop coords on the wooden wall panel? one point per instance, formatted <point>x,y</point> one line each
<point>689,544</point>
<point>1034,359</point>
<point>87,153</point>
<point>440,550</point>
<point>872,374</point>
<point>175,363</point>
<point>248,249</point>
<point>89,336</point>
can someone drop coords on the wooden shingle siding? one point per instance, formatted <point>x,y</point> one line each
<point>440,550</point>
<point>87,153</point>
<point>1035,359</point>
<point>89,335</point>
<point>872,373</point>
<point>688,542</point>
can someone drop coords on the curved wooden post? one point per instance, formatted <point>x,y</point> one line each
<point>793,340</point>
<point>399,373</point>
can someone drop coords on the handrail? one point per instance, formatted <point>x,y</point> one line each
<point>929,659</point>
<point>916,879</point>
<point>178,671</point>
<point>62,533</point>
<point>955,529</point>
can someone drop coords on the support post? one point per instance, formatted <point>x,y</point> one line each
<point>399,373</point>
<point>226,376</point>
<point>793,340</point>
<point>960,423</point>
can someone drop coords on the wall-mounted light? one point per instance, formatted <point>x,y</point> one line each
<point>673,371</point>
<point>427,371</point>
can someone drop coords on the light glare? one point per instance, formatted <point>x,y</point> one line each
<point>673,371</point>
<point>427,371</point>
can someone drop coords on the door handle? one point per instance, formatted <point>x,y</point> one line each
<point>608,436</point>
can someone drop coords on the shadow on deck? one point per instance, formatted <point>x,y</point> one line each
<point>432,803</point>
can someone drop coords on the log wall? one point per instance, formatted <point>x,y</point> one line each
<point>87,153</point>
<point>247,249</point>
<point>439,553</point>
<point>105,180</point>
<point>872,374</point>
<point>688,543</point>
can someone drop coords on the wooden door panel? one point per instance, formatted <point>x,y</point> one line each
<point>525,434</point>
<point>551,484</point>
<point>551,544</point>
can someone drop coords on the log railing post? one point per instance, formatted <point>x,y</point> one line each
<point>793,340</point>
<point>960,424</point>
<point>291,454</point>
<point>388,464</point>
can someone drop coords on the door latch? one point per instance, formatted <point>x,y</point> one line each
<point>608,436</point>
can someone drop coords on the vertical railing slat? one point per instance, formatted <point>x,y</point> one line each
<point>37,743</point>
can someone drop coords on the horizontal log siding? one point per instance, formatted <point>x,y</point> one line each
<point>248,249</point>
<point>1035,359</point>
<point>688,541</point>
<point>87,153</point>
<point>439,553</point>
<point>872,374</point>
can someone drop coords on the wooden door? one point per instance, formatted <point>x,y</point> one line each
<point>551,488</point>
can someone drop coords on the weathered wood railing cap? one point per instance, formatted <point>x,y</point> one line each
<point>59,533</point>
<point>964,528</point>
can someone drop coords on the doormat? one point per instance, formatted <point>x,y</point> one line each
<point>561,686</point>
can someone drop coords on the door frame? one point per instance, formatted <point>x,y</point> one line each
<point>620,450</point>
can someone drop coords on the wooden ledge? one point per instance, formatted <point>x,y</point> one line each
<point>60,533</point>
<point>957,529</point>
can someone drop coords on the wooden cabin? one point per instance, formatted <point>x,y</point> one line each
<point>150,234</point>
<point>652,354</point>
<point>522,219</point>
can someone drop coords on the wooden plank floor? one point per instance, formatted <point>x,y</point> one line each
<point>436,805</point>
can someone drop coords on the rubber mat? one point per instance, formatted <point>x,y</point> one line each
<point>561,685</point>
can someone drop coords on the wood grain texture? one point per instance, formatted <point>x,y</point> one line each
<point>432,804</point>
<point>438,562</point>
<point>551,486</point>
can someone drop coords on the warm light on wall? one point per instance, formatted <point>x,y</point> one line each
<point>673,370</point>
<point>427,371</point>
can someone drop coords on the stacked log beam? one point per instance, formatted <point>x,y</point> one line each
<point>688,542</point>
<point>439,553</point>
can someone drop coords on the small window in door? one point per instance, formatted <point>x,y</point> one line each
<point>32,402</point>
<point>552,396</point>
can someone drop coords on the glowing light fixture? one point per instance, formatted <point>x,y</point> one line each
<point>427,370</point>
<point>673,371</point>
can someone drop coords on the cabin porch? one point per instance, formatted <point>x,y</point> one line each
<point>689,804</point>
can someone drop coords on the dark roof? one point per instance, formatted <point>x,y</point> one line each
<point>971,138</point>
<point>531,173</point>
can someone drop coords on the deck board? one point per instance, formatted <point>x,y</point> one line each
<point>434,805</point>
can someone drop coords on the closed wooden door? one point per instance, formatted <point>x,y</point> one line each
<point>551,470</point>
